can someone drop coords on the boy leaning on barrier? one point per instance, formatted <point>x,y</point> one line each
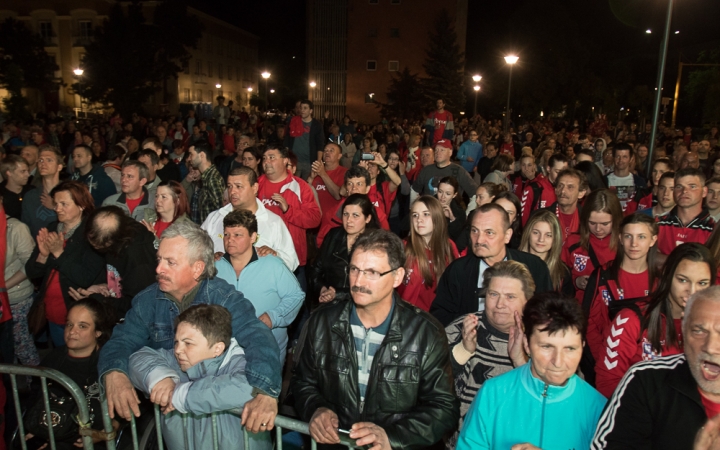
<point>205,373</point>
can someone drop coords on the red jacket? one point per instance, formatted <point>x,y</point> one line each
<point>627,286</point>
<point>625,345</point>
<point>302,214</point>
<point>671,231</point>
<point>413,288</point>
<point>539,193</point>
<point>579,260</point>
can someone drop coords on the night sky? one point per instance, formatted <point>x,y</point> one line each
<point>606,31</point>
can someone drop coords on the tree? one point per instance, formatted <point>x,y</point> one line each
<point>23,64</point>
<point>405,97</point>
<point>703,89</point>
<point>131,59</point>
<point>444,65</point>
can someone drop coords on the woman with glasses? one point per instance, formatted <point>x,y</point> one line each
<point>428,252</point>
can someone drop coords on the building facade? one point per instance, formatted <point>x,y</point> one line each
<point>356,46</point>
<point>225,61</point>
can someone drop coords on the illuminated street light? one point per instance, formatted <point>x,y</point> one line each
<point>648,31</point>
<point>218,86</point>
<point>677,32</point>
<point>510,60</point>
<point>249,89</point>
<point>476,78</point>
<point>313,84</point>
<point>78,72</point>
<point>272,91</point>
<point>265,74</point>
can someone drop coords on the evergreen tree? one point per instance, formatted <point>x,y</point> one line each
<point>130,59</point>
<point>23,64</point>
<point>405,98</point>
<point>444,65</point>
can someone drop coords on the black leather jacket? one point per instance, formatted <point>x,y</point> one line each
<point>410,390</point>
<point>330,264</point>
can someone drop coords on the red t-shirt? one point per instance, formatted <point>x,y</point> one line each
<point>132,204</point>
<point>507,148</point>
<point>440,121</point>
<point>569,223</point>
<point>711,408</point>
<point>55,308</point>
<point>328,204</point>
<point>161,226</point>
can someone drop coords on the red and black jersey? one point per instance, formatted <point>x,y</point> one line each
<point>518,183</point>
<point>672,232</point>
<point>625,343</point>
<point>643,199</point>
<point>583,262</point>
<point>538,193</point>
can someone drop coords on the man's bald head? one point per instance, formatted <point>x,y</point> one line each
<point>690,160</point>
<point>105,227</point>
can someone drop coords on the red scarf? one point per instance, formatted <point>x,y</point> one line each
<point>296,127</point>
<point>5,313</point>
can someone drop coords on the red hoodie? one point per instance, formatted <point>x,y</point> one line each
<point>539,193</point>
<point>302,214</point>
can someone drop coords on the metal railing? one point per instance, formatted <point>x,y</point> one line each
<point>282,423</point>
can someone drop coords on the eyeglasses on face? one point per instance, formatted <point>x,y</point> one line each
<point>370,274</point>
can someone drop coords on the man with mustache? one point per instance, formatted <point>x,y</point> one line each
<point>186,277</point>
<point>375,369</point>
<point>689,220</point>
<point>666,403</point>
<point>459,290</point>
<point>570,187</point>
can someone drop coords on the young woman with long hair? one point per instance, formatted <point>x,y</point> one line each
<point>543,238</point>
<point>646,197</point>
<point>511,204</point>
<point>453,209</point>
<point>631,275</point>
<point>428,251</point>
<point>653,328</point>
<point>597,240</point>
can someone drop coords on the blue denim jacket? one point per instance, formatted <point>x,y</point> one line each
<point>151,323</point>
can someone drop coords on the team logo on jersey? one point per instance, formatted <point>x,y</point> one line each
<point>647,351</point>
<point>621,294</point>
<point>580,262</point>
<point>606,296</point>
<point>543,203</point>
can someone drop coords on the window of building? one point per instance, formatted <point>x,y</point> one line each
<point>372,32</point>
<point>198,67</point>
<point>186,95</point>
<point>86,31</point>
<point>394,32</point>
<point>210,71</point>
<point>369,97</point>
<point>371,64</point>
<point>46,31</point>
<point>220,71</point>
<point>198,95</point>
<point>393,66</point>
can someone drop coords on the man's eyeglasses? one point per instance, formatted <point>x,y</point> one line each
<point>370,274</point>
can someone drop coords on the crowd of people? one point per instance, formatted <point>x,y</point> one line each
<point>430,284</point>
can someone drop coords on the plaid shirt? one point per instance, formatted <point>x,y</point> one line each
<point>211,192</point>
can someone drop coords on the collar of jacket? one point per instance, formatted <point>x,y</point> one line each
<point>681,380</point>
<point>202,292</point>
<point>253,258</point>
<point>395,332</point>
<point>145,200</point>
<point>537,388</point>
<point>212,365</point>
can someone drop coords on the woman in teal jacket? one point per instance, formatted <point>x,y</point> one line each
<point>265,281</point>
<point>543,403</point>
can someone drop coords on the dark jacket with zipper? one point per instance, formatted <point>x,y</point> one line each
<point>329,268</point>
<point>410,391</point>
<point>656,406</point>
<point>457,291</point>
<point>79,265</point>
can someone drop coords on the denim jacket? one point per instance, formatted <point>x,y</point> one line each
<point>151,323</point>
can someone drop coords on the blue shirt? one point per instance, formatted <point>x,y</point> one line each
<point>469,149</point>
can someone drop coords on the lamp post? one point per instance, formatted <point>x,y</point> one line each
<point>266,76</point>
<point>660,77</point>
<point>477,89</point>
<point>78,73</point>
<point>312,85</point>
<point>510,60</point>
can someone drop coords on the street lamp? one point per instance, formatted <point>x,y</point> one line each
<point>313,84</point>
<point>218,85</point>
<point>266,75</point>
<point>477,89</point>
<point>510,60</point>
<point>476,78</point>
<point>249,89</point>
<point>78,72</point>
<point>272,91</point>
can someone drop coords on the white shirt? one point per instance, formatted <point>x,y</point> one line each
<point>624,188</point>
<point>272,232</point>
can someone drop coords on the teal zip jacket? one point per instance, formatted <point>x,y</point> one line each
<point>517,408</point>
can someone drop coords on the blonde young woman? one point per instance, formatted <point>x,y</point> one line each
<point>543,238</point>
<point>428,251</point>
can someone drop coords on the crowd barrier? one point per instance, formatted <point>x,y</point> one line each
<point>151,437</point>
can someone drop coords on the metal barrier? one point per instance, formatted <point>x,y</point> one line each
<point>83,418</point>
